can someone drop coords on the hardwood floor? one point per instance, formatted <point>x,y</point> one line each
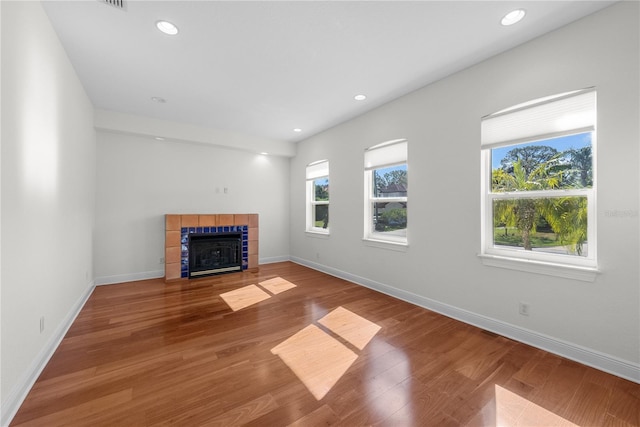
<point>148,353</point>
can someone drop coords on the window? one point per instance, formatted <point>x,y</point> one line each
<point>386,187</point>
<point>539,181</point>
<point>318,197</point>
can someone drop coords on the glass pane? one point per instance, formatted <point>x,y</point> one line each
<point>321,189</point>
<point>321,216</point>
<point>556,163</point>
<point>390,181</point>
<point>390,218</point>
<point>553,225</point>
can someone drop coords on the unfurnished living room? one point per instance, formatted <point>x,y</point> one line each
<point>306,213</point>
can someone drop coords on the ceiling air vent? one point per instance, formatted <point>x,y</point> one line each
<point>115,3</point>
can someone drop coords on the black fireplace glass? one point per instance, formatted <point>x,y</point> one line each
<point>214,253</point>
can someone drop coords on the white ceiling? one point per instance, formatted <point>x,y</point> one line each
<point>264,68</point>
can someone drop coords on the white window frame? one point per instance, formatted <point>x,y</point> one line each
<point>314,171</point>
<point>539,120</point>
<point>386,154</point>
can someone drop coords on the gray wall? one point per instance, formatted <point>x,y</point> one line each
<point>442,124</point>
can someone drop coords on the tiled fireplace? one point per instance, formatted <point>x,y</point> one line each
<point>178,228</point>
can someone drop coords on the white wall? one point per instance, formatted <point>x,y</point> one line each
<point>596,322</point>
<point>48,184</point>
<point>141,179</point>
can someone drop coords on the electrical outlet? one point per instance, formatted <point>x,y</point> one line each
<point>523,309</point>
<point>42,324</point>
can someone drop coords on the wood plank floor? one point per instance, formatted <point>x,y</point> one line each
<point>148,353</point>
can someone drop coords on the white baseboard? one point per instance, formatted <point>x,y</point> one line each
<point>604,362</point>
<point>11,403</point>
<point>158,274</point>
<point>132,277</point>
<point>274,259</point>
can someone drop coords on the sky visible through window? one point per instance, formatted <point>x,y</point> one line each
<point>402,167</point>
<point>561,144</point>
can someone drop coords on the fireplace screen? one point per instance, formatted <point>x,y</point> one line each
<point>214,253</point>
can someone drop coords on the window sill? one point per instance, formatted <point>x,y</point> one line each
<point>317,234</point>
<point>384,244</point>
<point>585,274</point>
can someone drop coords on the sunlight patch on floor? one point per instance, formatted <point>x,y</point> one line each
<point>252,294</point>
<point>355,329</point>
<point>507,409</point>
<point>318,359</point>
<point>244,297</point>
<point>277,285</point>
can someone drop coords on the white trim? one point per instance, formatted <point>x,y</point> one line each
<point>595,359</point>
<point>311,203</point>
<point>11,403</point>
<point>586,274</point>
<point>274,259</point>
<point>369,233</point>
<point>386,244</point>
<point>319,233</point>
<point>576,267</point>
<point>130,277</point>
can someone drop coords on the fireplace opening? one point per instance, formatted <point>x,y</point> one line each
<point>217,253</point>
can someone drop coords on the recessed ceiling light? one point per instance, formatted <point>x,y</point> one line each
<point>297,130</point>
<point>159,138</point>
<point>264,153</point>
<point>167,27</point>
<point>158,99</point>
<point>513,17</point>
<point>360,97</point>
